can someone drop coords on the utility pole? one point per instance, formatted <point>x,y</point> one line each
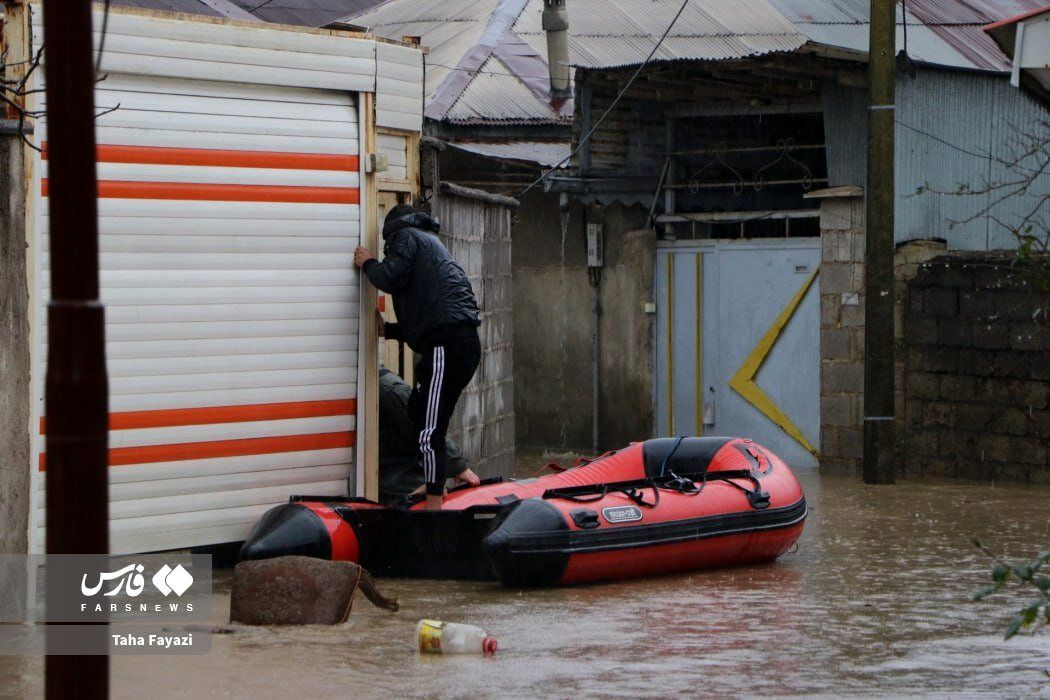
<point>879,464</point>
<point>76,396</point>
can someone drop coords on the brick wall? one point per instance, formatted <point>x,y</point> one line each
<point>976,371</point>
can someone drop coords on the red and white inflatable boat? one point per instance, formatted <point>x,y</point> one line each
<point>660,506</point>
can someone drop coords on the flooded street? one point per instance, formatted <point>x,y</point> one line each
<point>874,601</point>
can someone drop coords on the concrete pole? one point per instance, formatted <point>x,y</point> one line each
<point>878,457</point>
<point>15,385</point>
<point>76,395</point>
<point>14,347</point>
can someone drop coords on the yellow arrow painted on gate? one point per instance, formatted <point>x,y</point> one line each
<point>743,382</point>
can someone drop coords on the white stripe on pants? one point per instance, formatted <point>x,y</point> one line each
<point>430,423</point>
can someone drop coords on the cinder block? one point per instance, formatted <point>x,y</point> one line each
<point>976,304</point>
<point>1012,421</point>
<point>973,416</point>
<point>842,377</point>
<point>990,336</point>
<point>836,215</point>
<point>829,310</point>
<point>1030,336</point>
<point>836,344</point>
<point>920,329</point>
<point>956,387</point>
<point>839,411</point>
<point>1013,305</point>
<point>937,359</point>
<point>852,316</point>
<point>836,278</point>
<point>979,363</point>
<point>939,414</point>
<point>851,441</point>
<point>954,332</point>
<point>955,276</point>
<point>913,413</point>
<point>1013,364</point>
<point>922,385</point>
<point>940,301</point>
<point>999,277</point>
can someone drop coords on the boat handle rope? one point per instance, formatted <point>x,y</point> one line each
<point>757,498</point>
<point>670,453</point>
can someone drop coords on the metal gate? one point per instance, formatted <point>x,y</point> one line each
<point>737,342</point>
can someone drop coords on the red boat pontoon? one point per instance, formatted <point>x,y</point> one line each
<point>660,506</point>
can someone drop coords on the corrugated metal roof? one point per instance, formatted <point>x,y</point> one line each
<point>448,28</point>
<point>602,33</point>
<point>613,33</point>
<point>192,7</point>
<point>495,94</point>
<point>940,32</point>
<point>544,153</point>
<point>610,33</point>
<point>306,13</point>
<point>464,83</point>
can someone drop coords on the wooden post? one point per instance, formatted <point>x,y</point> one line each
<point>368,357</point>
<point>878,457</point>
<point>76,396</point>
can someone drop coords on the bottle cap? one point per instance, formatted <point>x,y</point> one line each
<point>489,645</point>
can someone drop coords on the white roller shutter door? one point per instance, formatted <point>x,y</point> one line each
<point>228,217</point>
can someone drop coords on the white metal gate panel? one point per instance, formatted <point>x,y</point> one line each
<point>737,342</point>
<point>228,217</point>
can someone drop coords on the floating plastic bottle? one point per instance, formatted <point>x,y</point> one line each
<point>436,637</point>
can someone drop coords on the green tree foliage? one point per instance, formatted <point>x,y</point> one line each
<point>1028,576</point>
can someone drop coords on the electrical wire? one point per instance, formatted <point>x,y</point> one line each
<point>102,38</point>
<point>612,105</point>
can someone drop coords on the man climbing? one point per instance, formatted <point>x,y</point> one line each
<point>400,471</point>
<point>438,317</point>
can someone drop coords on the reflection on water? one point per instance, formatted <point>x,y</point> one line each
<point>875,600</point>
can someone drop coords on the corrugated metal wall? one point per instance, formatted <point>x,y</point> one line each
<point>965,116</point>
<point>953,129</point>
<point>477,234</point>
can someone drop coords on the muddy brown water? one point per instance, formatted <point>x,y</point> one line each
<point>875,601</point>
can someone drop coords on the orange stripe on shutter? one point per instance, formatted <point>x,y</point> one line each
<point>163,155</point>
<point>150,454</point>
<point>123,189</point>
<point>209,415</point>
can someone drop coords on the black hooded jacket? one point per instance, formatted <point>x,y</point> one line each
<point>432,296</point>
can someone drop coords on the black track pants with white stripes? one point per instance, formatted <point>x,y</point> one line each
<point>442,373</point>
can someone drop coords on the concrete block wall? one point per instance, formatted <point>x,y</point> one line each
<point>475,227</point>
<point>977,371</point>
<point>841,332</point>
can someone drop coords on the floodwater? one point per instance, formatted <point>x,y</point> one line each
<point>875,601</point>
